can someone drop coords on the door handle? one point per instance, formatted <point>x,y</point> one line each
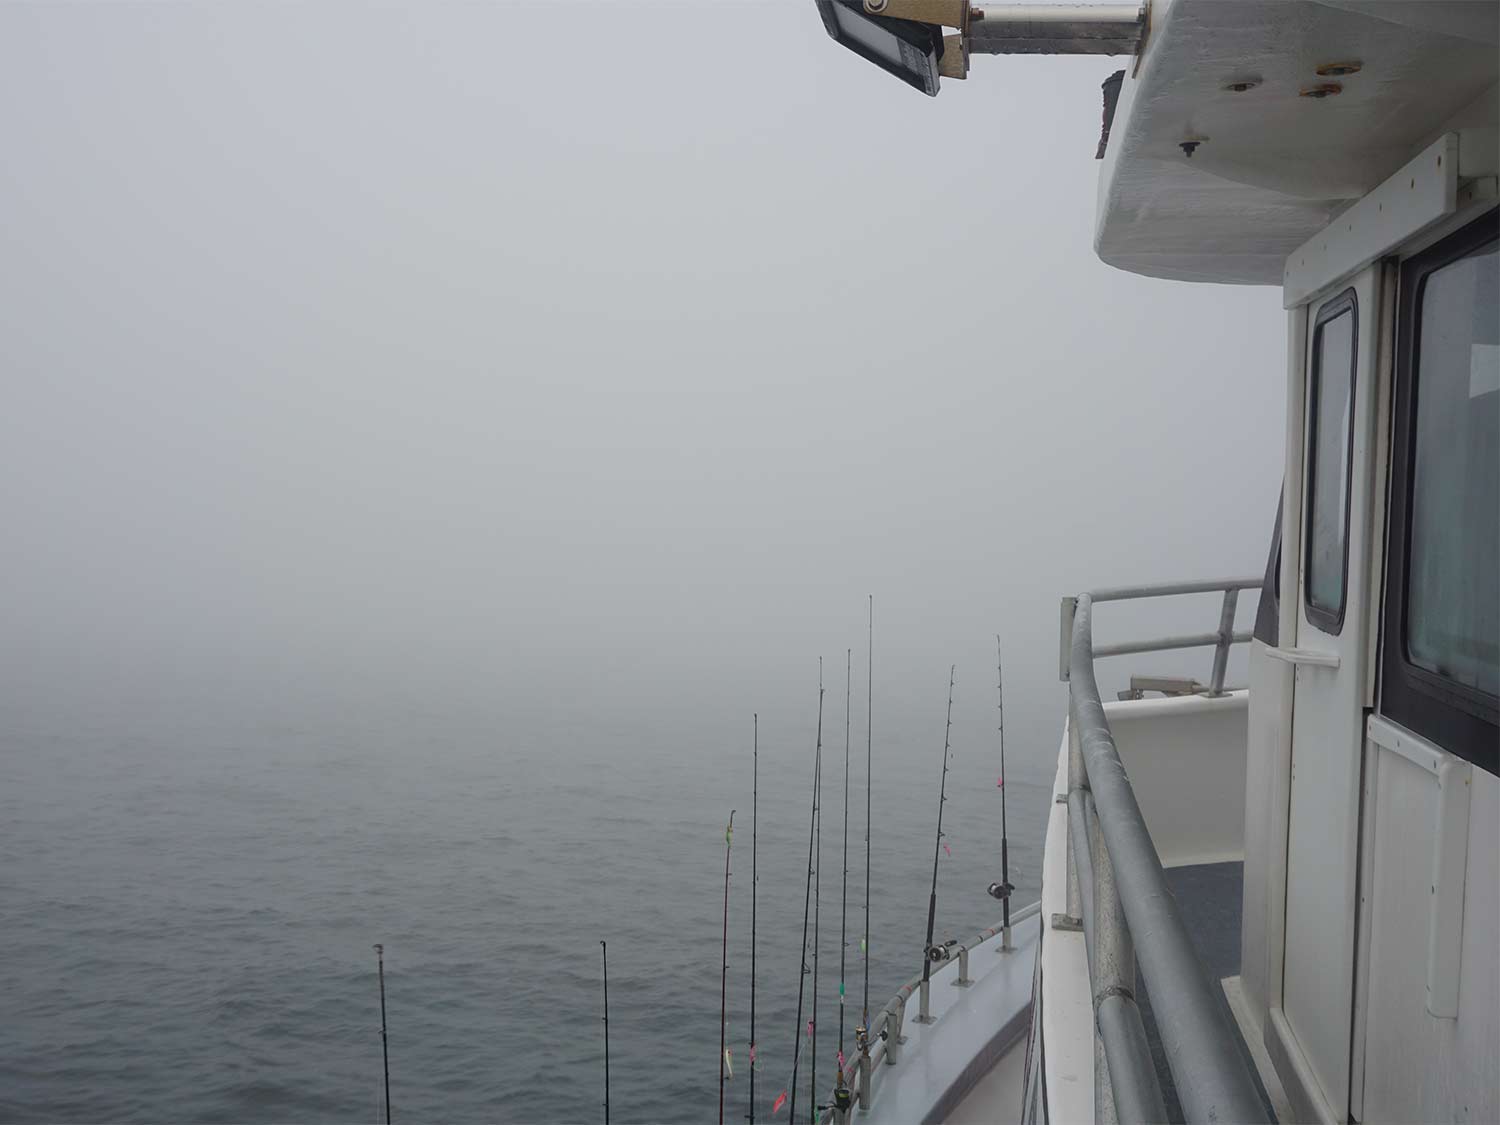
<point>1310,656</point>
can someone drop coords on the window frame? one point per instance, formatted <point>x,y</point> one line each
<point>1463,720</point>
<point>1345,302</point>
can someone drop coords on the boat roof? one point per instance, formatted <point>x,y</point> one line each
<point>1273,165</point>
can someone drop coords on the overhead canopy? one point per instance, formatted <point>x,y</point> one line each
<point>1272,167</point>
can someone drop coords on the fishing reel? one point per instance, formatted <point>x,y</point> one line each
<point>1001,890</point>
<point>843,1098</point>
<point>941,952</point>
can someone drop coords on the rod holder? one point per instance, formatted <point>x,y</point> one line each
<point>893,1037</point>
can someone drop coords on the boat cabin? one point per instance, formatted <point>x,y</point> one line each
<point>1282,900</point>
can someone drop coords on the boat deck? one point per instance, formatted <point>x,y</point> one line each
<point>1209,898</point>
<point>997,1096</point>
<point>966,1064</point>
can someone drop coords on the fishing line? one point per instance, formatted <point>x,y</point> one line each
<point>754,881</point>
<point>604,959</point>
<point>806,902</point>
<point>724,1063</point>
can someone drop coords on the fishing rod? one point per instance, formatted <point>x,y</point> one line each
<point>806,900</point>
<point>840,1093</point>
<point>813,1106</point>
<point>604,957</point>
<point>937,847</point>
<point>724,972</point>
<point>862,1033</point>
<point>754,879</point>
<point>1002,889</point>
<point>385,1053</point>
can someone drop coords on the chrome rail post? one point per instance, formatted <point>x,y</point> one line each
<point>1212,1079</point>
<point>1065,638</point>
<point>1226,638</point>
<point>884,1038</point>
<point>864,1074</point>
<point>1077,782</point>
<point>1082,827</point>
<point>893,1039</point>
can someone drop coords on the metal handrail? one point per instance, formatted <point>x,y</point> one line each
<point>1130,899</point>
<point>1221,639</point>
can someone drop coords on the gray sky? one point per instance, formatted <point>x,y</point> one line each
<point>585,358</point>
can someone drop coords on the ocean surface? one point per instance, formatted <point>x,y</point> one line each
<point>188,905</point>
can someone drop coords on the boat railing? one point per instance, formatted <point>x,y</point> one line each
<point>885,1032</point>
<point>1118,896</point>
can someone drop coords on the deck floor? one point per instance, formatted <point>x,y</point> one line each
<point>997,1098</point>
<point>1208,897</point>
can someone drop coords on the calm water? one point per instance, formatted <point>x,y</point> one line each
<point>188,905</point>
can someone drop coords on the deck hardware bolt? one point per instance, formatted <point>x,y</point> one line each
<point>1240,85</point>
<point>1321,90</point>
<point>1339,69</point>
<point>1189,147</point>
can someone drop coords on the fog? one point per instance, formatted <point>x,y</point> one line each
<point>579,365</point>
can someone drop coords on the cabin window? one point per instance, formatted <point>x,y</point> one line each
<point>1441,658</point>
<point>1452,608</point>
<point>1330,414</point>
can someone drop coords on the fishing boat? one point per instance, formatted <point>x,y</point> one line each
<point>1278,900</point>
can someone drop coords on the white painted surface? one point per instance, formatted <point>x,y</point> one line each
<point>1450,858</point>
<point>1250,1032</point>
<point>1327,743</point>
<point>1362,937</point>
<point>1291,485</point>
<point>1280,788</point>
<point>1273,168</point>
<point>1417,1066</point>
<point>1449,848</point>
<point>1417,196</point>
<point>1387,281</point>
<point>1267,741</point>
<point>1296,1073</point>
<point>1185,757</point>
<point>1312,657</point>
<point>1398,740</point>
<point>1067,1003</point>
<point>997,1098</point>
